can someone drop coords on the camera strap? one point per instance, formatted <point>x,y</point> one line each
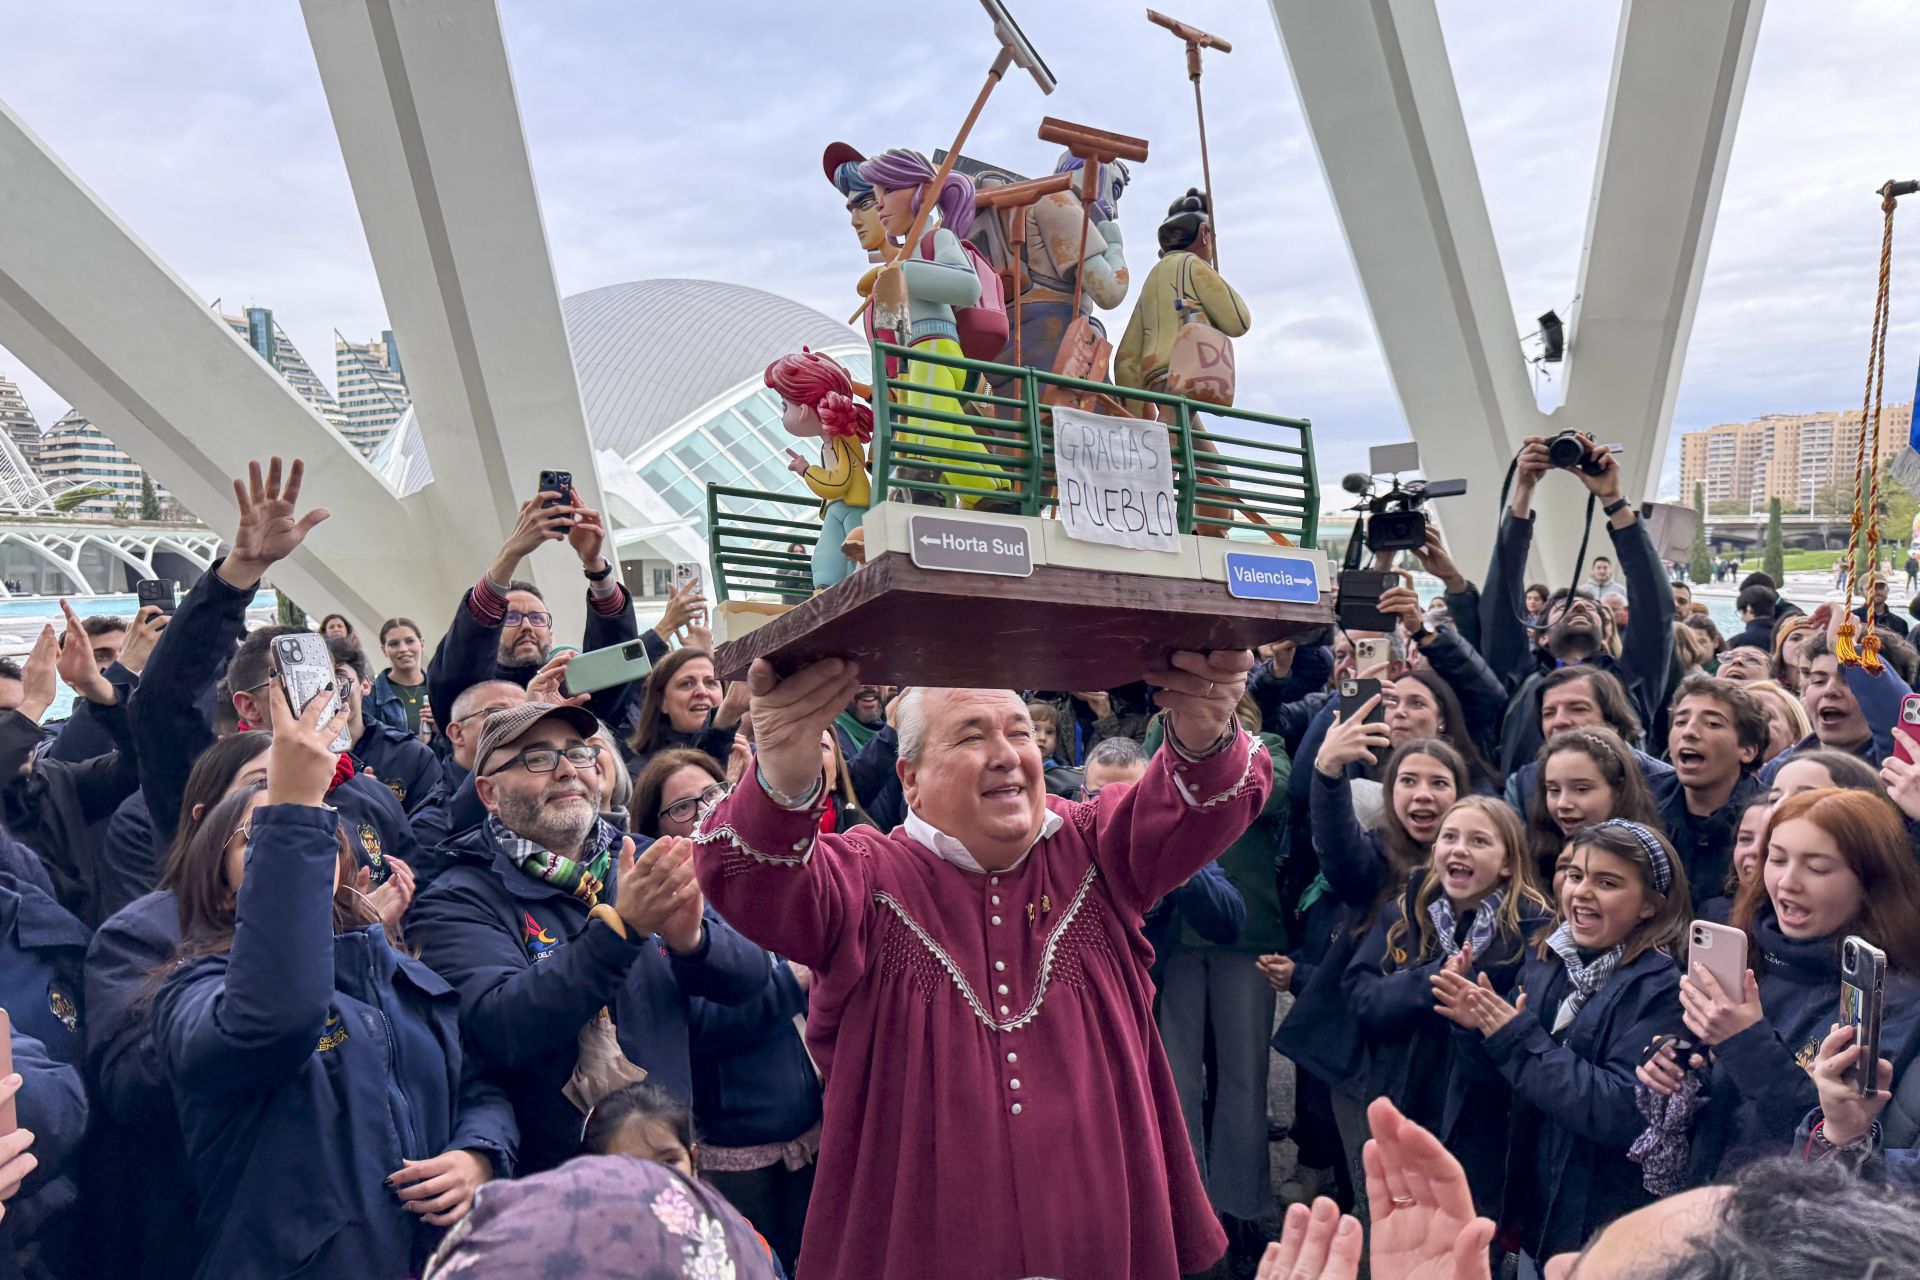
<point>1580,557</point>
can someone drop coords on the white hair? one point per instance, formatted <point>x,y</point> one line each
<point>910,712</point>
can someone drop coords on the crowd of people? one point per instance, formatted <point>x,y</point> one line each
<point>801,975</point>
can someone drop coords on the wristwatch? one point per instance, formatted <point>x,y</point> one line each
<point>1424,633</point>
<point>605,572</point>
<point>1614,508</point>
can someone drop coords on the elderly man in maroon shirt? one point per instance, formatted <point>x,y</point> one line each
<point>997,1101</point>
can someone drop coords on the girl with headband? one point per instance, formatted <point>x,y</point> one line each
<point>1592,995</point>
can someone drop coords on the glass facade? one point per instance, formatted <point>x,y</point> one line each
<point>742,444</point>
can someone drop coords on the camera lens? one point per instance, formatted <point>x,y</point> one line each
<point>1567,450</point>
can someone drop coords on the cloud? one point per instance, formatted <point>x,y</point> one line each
<point>684,140</point>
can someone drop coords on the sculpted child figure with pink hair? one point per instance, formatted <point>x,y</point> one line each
<point>820,404</point>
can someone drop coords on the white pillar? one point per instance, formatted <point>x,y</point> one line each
<point>1379,99</point>
<point>423,103</point>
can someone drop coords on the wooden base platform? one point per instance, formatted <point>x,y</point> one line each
<point>1058,629</point>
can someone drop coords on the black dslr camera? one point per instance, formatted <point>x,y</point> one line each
<point>1570,450</point>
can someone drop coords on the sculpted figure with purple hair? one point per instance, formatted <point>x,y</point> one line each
<point>939,277</point>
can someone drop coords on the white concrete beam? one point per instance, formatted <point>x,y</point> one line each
<point>1679,78</point>
<point>95,314</point>
<point>423,102</point>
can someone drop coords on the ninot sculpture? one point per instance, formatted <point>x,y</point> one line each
<point>820,403</point>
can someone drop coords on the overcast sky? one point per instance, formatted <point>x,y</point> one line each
<point>684,140</point>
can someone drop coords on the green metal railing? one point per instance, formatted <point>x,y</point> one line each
<point>1232,485</point>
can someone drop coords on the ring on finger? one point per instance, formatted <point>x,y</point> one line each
<point>1404,1202</point>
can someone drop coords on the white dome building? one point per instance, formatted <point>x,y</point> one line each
<point>671,376</point>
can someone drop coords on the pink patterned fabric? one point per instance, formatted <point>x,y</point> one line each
<point>997,1101</point>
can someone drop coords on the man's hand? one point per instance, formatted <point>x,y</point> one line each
<point>1097,702</point>
<point>142,636</point>
<point>1847,1116</point>
<point>1200,693</point>
<point>588,534</point>
<point>1424,1226</point>
<point>549,683</point>
<point>533,525</point>
<point>76,666</point>
<point>1532,464</point>
<point>654,887</point>
<point>1404,603</point>
<point>735,703</point>
<point>39,675</point>
<point>441,1189</point>
<point>268,532</point>
<point>1438,561</point>
<point>790,715</point>
<point>1606,485</point>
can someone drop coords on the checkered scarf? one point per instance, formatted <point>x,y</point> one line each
<point>1586,978</point>
<point>583,878</point>
<point>1486,919</point>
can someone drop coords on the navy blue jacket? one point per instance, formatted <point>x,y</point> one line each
<point>61,811</point>
<point>1646,654</point>
<point>1705,842</point>
<point>42,948</point>
<point>532,970</point>
<point>1659,776</point>
<point>1288,703</point>
<point>337,1051</point>
<point>715,740</point>
<point>81,736</point>
<point>1208,902</point>
<point>469,654</point>
<point>1574,1113</point>
<point>1322,1033</point>
<point>876,785</point>
<point>753,1082</point>
<point>1428,1066</point>
<point>139,1161</point>
<point>1483,696</point>
<point>409,769</point>
<point>1757,1088</point>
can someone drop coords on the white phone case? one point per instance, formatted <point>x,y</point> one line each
<point>305,673</point>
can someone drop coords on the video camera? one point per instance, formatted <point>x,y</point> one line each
<point>1395,521</point>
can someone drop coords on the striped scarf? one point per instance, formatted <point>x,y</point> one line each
<point>1586,978</point>
<point>1486,919</point>
<point>584,878</point>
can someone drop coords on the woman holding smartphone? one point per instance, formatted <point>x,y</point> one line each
<point>331,1122</point>
<point>1836,863</point>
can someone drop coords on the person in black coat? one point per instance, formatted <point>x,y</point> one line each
<point>1719,733</point>
<point>684,705</point>
<point>545,916</point>
<point>1757,606</point>
<point>289,1022</point>
<point>1472,911</point>
<point>1876,613</point>
<point>1578,628</point>
<point>1592,996</point>
<point>502,629</point>
<point>406,765</point>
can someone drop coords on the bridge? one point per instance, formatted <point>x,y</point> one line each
<point>81,557</point>
<point>1809,533</point>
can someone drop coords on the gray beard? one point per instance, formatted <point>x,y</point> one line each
<point>531,819</point>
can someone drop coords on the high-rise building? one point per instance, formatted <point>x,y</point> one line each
<point>1795,457</point>
<point>76,451</point>
<point>373,388</point>
<point>17,420</point>
<point>258,330</point>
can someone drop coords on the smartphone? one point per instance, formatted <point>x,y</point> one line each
<point>560,482</point>
<point>1371,652</point>
<point>1354,694</point>
<point>1359,607</point>
<point>616,664</point>
<point>1863,999</point>
<point>306,668</point>
<point>1721,950</point>
<point>685,572</point>
<point>1910,721</point>
<point>161,593</point>
<point>9,1117</point>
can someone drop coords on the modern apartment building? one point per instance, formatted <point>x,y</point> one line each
<point>259,331</point>
<point>1790,456</point>
<point>373,388</point>
<point>76,451</point>
<point>17,420</point>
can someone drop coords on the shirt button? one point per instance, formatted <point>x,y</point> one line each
<point>1013,1057</point>
<point>996,899</point>
<point>1003,1011</point>
<point>1013,1084</point>
<point>799,845</point>
<point>996,919</point>
<point>1016,1108</point>
<point>1003,988</point>
<point>994,880</point>
<point>999,966</point>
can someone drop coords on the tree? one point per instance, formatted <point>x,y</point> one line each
<point>1775,560</point>
<point>291,614</point>
<point>1724,507</point>
<point>149,499</point>
<point>1701,570</point>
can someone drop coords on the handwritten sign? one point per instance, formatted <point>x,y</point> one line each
<point>1115,480</point>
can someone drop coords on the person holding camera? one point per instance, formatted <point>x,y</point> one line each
<point>1577,626</point>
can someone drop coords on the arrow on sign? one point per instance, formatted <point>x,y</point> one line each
<point>929,542</point>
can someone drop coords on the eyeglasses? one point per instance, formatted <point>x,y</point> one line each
<point>244,829</point>
<point>547,759</point>
<point>483,711</point>
<point>513,618</point>
<point>681,810</point>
